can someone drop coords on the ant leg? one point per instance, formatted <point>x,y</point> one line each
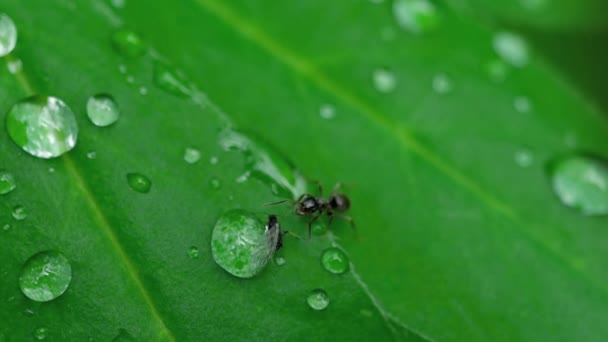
<point>310,225</point>
<point>292,234</point>
<point>336,187</point>
<point>280,202</point>
<point>319,188</point>
<point>352,223</point>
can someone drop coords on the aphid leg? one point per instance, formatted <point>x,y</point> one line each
<point>292,234</point>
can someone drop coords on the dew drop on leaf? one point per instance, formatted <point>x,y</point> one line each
<point>169,80</point>
<point>581,182</point>
<point>19,213</point>
<point>193,252</point>
<point>128,44</point>
<point>91,155</point>
<point>442,84</point>
<point>214,160</point>
<point>511,48</point>
<point>102,110</point>
<point>416,16</point>
<point>236,243</point>
<point>334,260</point>
<point>124,336</point>
<point>40,333</point>
<point>318,299</point>
<point>14,66</point>
<point>327,111</point>
<point>6,227</point>
<point>8,35</point>
<point>384,80</point>
<point>139,182</point>
<point>319,228</point>
<point>192,155</point>
<point>523,158</point>
<point>280,261</point>
<point>522,104</point>
<point>43,126</point>
<point>215,183</point>
<point>45,276</point>
<point>7,182</point>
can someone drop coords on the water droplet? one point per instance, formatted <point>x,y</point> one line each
<point>51,170</point>
<point>139,182</point>
<point>8,35</point>
<point>122,68</point>
<point>168,79</point>
<point>280,261</point>
<point>40,334</point>
<point>143,90</point>
<point>128,43</point>
<point>497,70</point>
<point>512,48</point>
<point>237,242</point>
<point>118,3</point>
<point>244,177</point>
<point>442,84</point>
<point>215,183</point>
<point>7,182</point>
<point>19,213</point>
<point>91,154</point>
<point>522,104</point>
<point>334,260</point>
<point>318,299</point>
<point>265,163</point>
<point>130,79</point>
<point>581,182</point>
<point>192,155</point>
<point>327,111</point>
<point>524,158</point>
<point>193,252</point>
<point>384,80</point>
<point>533,5</point>
<point>124,336</point>
<point>319,228</point>
<point>14,66</point>
<point>45,127</point>
<point>102,110</point>
<point>45,276</point>
<point>214,160</point>
<point>6,227</point>
<point>415,16</point>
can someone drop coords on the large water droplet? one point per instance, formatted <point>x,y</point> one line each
<point>40,333</point>
<point>512,48</point>
<point>45,276</point>
<point>102,110</point>
<point>43,126</point>
<point>415,16</point>
<point>19,213</point>
<point>334,260</point>
<point>265,163</point>
<point>192,155</point>
<point>7,182</point>
<point>8,35</point>
<point>581,182</point>
<point>384,80</point>
<point>238,242</point>
<point>318,299</point>
<point>128,43</point>
<point>139,182</point>
<point>168,79</point>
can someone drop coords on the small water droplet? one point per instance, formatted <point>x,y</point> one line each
<point>280,261</point>
<point>40,333</point>
<point>522,104</point>
<point>318,299</point>
<point>214,160</point>
<point>169,80</point>
<point>45,276</point>
<point>265,163</point>
<point>442,84</point>
<point>7,182</point>
<point>122,68</point>
<point>143,90</point>
<point>139,182</point>
<point>118,3</point>
<point>244,177</point>
<point>51,170</point>
<point>6,227</point>
<point>334,260</point>
<point>8,35</point>
<point>124,336</point>
<point>193,252</point>
<point>192,155</point>
<point>319,228</point>
<point>215,183</point>
<point>497,70</point>
<point>238,244</point>
<point>524,158</point>
<point>19,213</point>
<point>91,154</point>
<point>512,49</point>
<point>14,66</point>
<point>384,80</point>
<point>45,127</point>
<point>130,79</point>
<point>128,43</point>
<point>416,16</point>
<point>102,110</point>
<point>327,111</point>
<point>581,182</point>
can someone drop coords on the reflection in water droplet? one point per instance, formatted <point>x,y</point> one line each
<point>264,163</point>
<point>215,183</point>
<point>102,110</point>
<point>169,80</point>
<point>522,104</point>
<point>45,127</point>
<point>191,155</point>
<point>14,66</point>
<point>280,261</point>
<point>318,299</point>
<point>327,112</point>
<point>45,276</point>
<point>384,80</point>
<point>7,182</point>
<point>193,252</point>
<point>581,182</point>
<point>128,43</point>
<point>334,260</point>
<point>139,182</point>
<point>524,158</point>
<point>19,213</point>
<point>8,35</point>
<point>415,16</point>
<point>40,334</point>
<point>442,84</point>
<point>238,244</point>
<point>512,48</point>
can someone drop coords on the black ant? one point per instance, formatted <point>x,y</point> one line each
<point>315,207</point>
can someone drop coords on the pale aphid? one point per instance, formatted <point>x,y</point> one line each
<point>270,242</point>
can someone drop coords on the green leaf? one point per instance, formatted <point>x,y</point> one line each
<point>457,241</point>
